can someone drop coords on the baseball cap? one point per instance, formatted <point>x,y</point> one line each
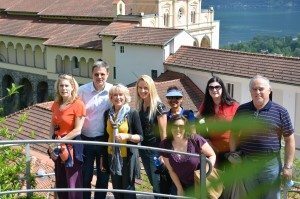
<point>174,93</point>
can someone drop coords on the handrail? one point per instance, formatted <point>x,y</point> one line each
<point>202,157</point>
<point>87,189</point>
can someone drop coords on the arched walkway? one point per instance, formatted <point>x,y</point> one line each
<point>9,103</point>
<point>42,92</point>
<point>25,94</point>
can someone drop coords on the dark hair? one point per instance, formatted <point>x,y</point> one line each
<point>208,103</point>
<point>171,123</point>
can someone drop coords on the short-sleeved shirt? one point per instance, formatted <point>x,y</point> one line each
<point>150,125</point>
<point>220,140</point>
<point>189,163</point>
<point>64,118</point>
<point>96,103</point>
<point>188,114</point>
<point>273,121</point>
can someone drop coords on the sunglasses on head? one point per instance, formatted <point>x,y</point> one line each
<point>218,87</point>
<point>174,97</point>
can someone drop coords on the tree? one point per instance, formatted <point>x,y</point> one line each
<point>12,159</point>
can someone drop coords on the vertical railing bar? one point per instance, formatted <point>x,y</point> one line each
<point>27,171</point>
<point>202,176</point>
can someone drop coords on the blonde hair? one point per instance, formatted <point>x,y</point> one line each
<point>121,89</point>
<point>154,98</point>
<point>74,85</point>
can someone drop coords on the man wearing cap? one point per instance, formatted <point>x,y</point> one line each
<point>174,96</point>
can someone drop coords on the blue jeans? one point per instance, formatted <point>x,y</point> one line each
<point>265,182</point>
<point>92,153</point>
<point>148,162</point>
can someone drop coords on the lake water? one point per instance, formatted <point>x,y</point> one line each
<point>238,25</point>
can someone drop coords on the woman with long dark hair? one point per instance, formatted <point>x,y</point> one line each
<point>218,106</point>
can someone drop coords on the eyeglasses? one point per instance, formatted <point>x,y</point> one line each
<point>174,97</point>
<point>180,127</point>
<point>218,87</point>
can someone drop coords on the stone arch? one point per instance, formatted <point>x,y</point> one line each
<point>29,57</point>
<point>25,94</point>
<point>10,103</point>
<point>75,66</point>
<point>59,64</point>
<point>20,54</point>
<point>38,57</point>
<point>205,42</point>
<point>84,71</point>
<point>42,92</point>
<point>3,52</point>
<point>67,65</point>
<point>11,53</point>
<point>90,66</point>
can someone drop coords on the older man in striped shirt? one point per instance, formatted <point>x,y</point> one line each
<point>261,145</point>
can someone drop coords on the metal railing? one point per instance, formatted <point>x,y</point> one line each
<point>29,191</point>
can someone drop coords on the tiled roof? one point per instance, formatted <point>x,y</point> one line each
<point>80,8</point>
<point>36,126</point>
<point>4,4</point>
<point>148,36</point>
<point>145,6</point>
<point>34,6</point>
<point>118,27</point>
<point>193,96</point>
<point>278,69</point>
<point>58,33</point>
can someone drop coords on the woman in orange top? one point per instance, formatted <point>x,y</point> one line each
<point>218,106</point>
<point>68,113</point>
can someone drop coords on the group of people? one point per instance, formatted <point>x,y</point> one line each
<point>99,111</point>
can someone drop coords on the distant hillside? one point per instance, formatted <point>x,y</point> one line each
<point>250,3</point>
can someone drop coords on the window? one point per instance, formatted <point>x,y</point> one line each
<point>230,89</point>
<point>121,49</point>
<point>193,17</point>
<point>180,13</point>
<point>120,9</point>
<point>166,19</point>
<point>115,73</point>
<point>154,74</point>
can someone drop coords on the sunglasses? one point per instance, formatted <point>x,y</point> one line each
<point>214,87</point>
<point>180,127</point>
<point>175,97</point>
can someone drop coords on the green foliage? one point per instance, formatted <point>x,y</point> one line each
<point>12,159</point>
<point>287,46</point>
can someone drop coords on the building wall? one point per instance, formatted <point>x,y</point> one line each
<point>108,54</point>
<point>137,60</point>
<point>67,54</point>
<point>286,95</point>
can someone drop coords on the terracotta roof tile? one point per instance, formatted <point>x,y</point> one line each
<point>148,35</point>
<point>90,8</point>
<point>118,27</point>
<point>4,4</point>
<point>30,5</point>
<point>57,33</point>
<point>145,6</point>
<point>36,126</point>
<point>277,69</point>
